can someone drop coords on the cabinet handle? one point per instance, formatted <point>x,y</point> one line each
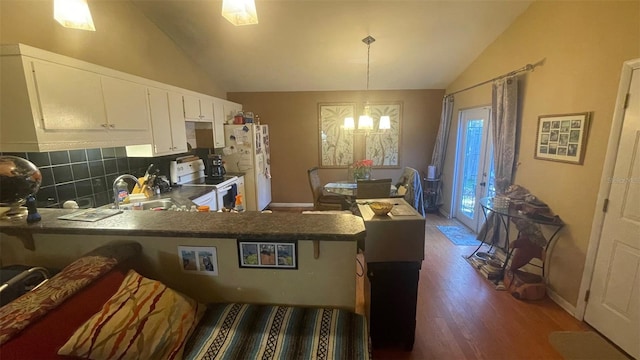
<point>104,125</point>
<point>112,126</point>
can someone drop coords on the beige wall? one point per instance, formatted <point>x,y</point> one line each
<point>583,45</point>
<point>328,280</point>
<point>124,40</point>
<point>293,124</point>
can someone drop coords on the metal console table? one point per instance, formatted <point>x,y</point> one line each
<point>506,215</point>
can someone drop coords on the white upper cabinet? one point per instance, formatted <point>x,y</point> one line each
<point>197,109</point>
<point>126,104</point>
<point>70,99</point>
<point>178,129</point>
<point>54,102</point>
<point>167,124</point>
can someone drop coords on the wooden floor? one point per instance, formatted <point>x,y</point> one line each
<point>461,316</point>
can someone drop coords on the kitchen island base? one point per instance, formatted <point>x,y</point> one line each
<point>393,293</point>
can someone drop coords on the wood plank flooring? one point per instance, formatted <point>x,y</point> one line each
<point>461,316</point>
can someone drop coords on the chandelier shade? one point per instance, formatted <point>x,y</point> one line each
<point>365,121</point>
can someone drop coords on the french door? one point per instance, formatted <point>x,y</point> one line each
<point>474,175</point>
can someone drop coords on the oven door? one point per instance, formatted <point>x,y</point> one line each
<point>226,196</point>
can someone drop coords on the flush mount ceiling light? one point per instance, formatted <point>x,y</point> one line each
<point>365,121</point>
<point>73,14</point>
<point>240,12</point>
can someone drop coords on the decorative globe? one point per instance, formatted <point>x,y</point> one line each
<point>19,178</point>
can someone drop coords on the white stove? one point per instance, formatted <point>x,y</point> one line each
<point>192,173</point>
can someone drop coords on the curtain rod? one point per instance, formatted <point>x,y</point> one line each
<point>527,67</point>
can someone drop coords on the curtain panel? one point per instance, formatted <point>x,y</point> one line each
<point>503,126</point>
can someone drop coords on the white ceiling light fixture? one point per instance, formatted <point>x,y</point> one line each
<point>365,121</point>
<point>240,12</point>
<point>73,14</point>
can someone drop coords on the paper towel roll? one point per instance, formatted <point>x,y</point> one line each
<point>431,172</point>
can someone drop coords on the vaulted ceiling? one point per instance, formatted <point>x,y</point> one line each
<point>316,45</point>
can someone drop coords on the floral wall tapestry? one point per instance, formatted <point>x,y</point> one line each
<point>383,146</point>
<point>336,144</point>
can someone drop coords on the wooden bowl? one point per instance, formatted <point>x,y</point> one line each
<point>380,208</point>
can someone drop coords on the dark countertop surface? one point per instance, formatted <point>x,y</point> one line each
<point>245,225</point>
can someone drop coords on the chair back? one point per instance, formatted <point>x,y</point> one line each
<point>371,189</point>
<point>315,184</point>
<point>411,180</point>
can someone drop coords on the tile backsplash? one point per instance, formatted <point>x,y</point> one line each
<point>86,175</point>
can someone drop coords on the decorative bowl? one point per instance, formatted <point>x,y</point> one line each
<point>380,208</point>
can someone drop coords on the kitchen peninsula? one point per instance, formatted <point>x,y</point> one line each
<point>325,280</point>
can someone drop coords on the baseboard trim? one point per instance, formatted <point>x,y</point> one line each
<point>564,304</point>
<point>292,205</point>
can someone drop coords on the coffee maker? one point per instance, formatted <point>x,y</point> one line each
<point>216,167</point>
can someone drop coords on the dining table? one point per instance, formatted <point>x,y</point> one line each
<point>350,188</point>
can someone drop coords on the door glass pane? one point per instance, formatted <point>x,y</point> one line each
<point>491,190</point>
<point>473,146</point>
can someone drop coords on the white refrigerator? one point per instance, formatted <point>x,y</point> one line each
<point>247,151</point>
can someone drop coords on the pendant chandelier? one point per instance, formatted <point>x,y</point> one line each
<point>73,14</point>
<point>365,121</point>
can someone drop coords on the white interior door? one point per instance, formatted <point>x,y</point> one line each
<point>613,307</point>
<point>474,166</point>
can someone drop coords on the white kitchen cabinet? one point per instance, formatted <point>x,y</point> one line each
<point>126,104</point>
<point>197,109</point>
<point>69,98</point>
<point>167,125</point>
<point>230,110</point>
<point>52,102</point>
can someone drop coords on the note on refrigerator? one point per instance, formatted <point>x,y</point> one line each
<point>239,135</point>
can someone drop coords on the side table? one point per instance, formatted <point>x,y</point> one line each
<point>506,215</point>
<point>431,187</point>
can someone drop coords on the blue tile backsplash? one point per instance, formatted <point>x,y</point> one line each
<point>86,175</point>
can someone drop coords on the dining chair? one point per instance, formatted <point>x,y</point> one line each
<point>372,189</point>
<point>322,201</point>
<point>411,181</point>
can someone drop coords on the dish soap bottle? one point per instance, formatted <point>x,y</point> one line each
<point>239,207</point>
<point>122,189</point>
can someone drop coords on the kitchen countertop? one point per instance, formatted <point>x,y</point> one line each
<point>246,225</point>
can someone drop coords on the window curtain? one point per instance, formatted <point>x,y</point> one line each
<point>440,147</point>
<point>504,123</point>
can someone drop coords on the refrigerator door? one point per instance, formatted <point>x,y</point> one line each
<point>245,153</point>
<point>263,167</point>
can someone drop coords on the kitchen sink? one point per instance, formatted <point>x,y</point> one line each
<point>160,204</point>
<point>156,204</point>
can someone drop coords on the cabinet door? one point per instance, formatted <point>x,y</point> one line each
<point>191,107</point>
<point>126,104</point>
<point>230,110</point>
<point>70,99</point>
<point>178,129</point>
<point>218,124</point>
<point>160,121</point>
<point>206,110</point>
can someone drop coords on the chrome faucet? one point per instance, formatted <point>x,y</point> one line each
<point>116,203</point>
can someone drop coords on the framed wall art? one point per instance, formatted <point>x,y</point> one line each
<point>562,137</point>
<point>267,254</point>
<point>383,146</point>
<point>336,143</point>
<point>202,260</point>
